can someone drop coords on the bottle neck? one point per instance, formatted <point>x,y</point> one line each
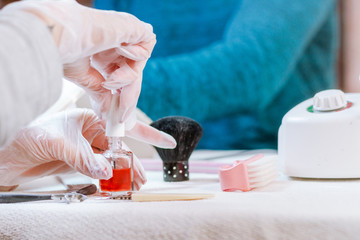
<point>115,144</point>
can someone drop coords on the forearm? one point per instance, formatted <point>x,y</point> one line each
<point>30,72</point>
<point>245,70</point>
<point>280,33</point>
<point>195,85</point>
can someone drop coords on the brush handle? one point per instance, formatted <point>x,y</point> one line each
<point>15,198</point>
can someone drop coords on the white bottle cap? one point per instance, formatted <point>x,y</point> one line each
<point>113,127</point>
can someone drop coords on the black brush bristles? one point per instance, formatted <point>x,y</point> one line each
<point>187,133</point>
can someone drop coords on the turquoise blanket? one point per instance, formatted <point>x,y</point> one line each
<point>235,66</point>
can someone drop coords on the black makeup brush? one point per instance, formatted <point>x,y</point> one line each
<point>187,133</point>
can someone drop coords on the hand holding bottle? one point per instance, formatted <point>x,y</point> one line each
<point>62,143</point>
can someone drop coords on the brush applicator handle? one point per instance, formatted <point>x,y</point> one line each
<point>113,127</point>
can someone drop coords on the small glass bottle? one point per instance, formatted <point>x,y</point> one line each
<point>122,164</point>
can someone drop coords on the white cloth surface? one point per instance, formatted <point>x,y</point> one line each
<point>30,71</point>
<point>285,209</point>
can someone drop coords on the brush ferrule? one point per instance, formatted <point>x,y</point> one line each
<point>176,171</point>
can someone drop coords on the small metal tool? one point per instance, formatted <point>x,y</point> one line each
<point>65,197</point>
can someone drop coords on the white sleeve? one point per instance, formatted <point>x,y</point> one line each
<point>30,71</point>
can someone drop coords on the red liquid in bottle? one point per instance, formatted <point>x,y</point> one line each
<point>120,181</point>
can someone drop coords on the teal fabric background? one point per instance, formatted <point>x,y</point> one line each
<point>236,66</point>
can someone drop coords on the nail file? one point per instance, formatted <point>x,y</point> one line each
<point>157,197</point>
<point>83,188</point>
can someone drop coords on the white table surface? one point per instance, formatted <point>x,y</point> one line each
<point>285,209</point>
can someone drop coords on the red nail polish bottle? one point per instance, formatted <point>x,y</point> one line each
<point>122,165</point>
<point>121,160</point>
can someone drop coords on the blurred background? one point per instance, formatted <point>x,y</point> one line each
<point>349,54</point>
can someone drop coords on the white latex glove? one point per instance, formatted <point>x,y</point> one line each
<point>61,143</point>
<point>95,45</point>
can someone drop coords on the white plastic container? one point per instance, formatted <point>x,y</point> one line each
<point>322,143</point>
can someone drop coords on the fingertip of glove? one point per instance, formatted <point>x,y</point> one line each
<point>103,169</point>
<point>105,173</point>
<point>169,142</point>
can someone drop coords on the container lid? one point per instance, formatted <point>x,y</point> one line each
<point>329,100</point>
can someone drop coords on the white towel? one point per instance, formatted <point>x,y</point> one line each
<point>285,209</point>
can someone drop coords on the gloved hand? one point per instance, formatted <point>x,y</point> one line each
<point>61,143</point>
<point>95,44</point>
